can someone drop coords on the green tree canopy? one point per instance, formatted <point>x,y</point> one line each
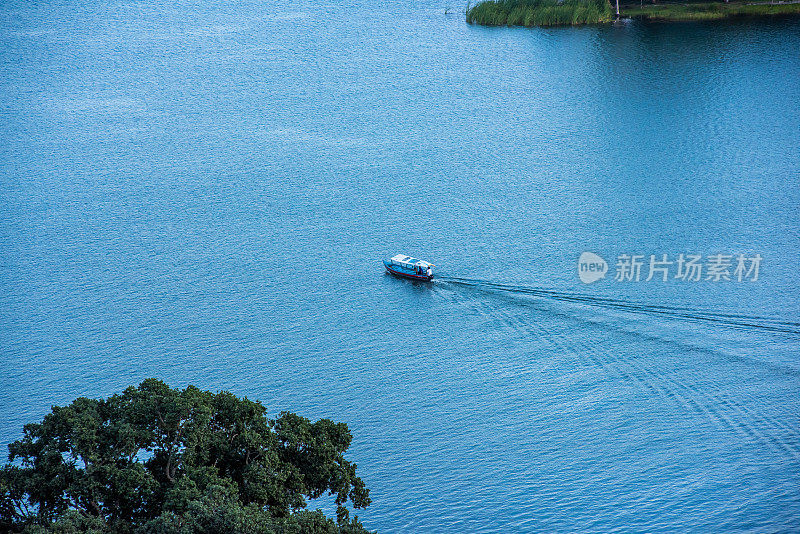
<point>160,460</point>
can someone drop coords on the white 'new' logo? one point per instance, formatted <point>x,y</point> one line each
<point>591,267</point>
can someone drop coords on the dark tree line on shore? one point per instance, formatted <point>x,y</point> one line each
<point>157,460</point>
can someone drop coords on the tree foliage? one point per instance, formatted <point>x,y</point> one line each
<point>157,460</point>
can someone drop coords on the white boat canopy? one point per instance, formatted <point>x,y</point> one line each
<point>408,262</point>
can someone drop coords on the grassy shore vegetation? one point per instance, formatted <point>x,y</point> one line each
<point>707,10</point>
<point>540,12</point>
<point>574,12</point>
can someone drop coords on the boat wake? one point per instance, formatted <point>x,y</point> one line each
<point>709,394</point>
<point>733,320</point>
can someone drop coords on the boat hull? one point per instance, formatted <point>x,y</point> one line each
<point>392,269</point>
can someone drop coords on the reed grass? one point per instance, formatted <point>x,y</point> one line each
<point>540,12</point>
<point>708,11</point>
<point>575,12</point>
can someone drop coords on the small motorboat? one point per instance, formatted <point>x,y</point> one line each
<point>408,267</point>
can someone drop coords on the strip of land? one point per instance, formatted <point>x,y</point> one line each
<point>540,12</point>
<point>709,10</point>
<point>577,12</point>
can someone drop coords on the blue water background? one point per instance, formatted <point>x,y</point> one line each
<point>203,192</point>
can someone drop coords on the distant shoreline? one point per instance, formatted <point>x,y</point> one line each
<point>709,10</point>
<point>580,12</point>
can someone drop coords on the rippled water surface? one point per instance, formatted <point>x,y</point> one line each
<point>203,192</point>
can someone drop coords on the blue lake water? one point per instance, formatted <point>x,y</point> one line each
<point>203,192</point>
